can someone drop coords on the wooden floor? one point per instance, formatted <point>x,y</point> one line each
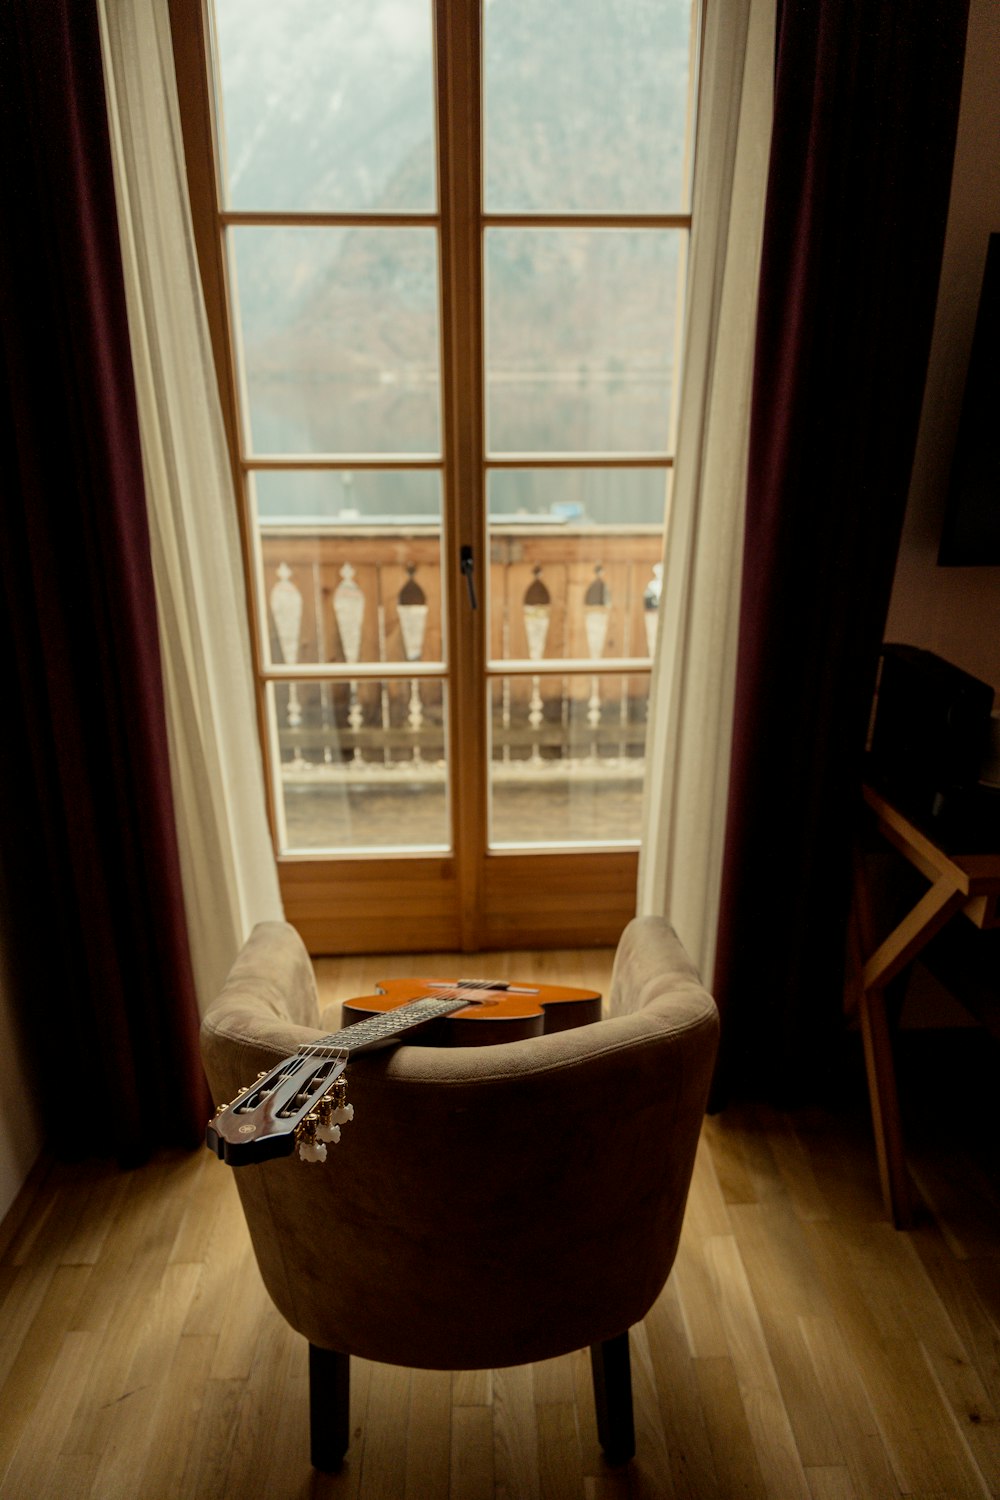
<point>802,1347</point>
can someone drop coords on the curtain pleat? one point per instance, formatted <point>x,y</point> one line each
<point>865,114</point>
<point>94,916</point>
<point>227,860</point>
<point>688,746</point>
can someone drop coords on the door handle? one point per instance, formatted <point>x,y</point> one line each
<point>467,565</point>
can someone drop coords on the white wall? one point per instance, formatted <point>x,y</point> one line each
<point>956,611</point>
<point>21,1131</point>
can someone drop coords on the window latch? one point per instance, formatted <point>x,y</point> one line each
<point>467,565</point>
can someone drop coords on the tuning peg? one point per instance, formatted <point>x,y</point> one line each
<point>312,1151</point>
<point>334,1109</point>
<point>329,1133</point>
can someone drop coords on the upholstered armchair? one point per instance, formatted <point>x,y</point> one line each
<point>488,1206</point>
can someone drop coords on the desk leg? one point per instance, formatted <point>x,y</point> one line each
<point>898,950</point>
<point>892,1169</point>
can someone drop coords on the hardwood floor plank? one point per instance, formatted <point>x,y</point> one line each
<point>957,1284</point>
<point>177,1417</point>
<point>41,1348</point>
<point>963,1197</point>
<point>428,1448</point>
<point>554,1380</point>
<point>767,1417</point>
<point>210,1448</point>
<point>607,1487</point>
<point>26,1291</point>
<point>88,1235</point>
<point>851,1415</point>
<point>472,1453</point>
<point>734,1457</point>
<point>560,1463</point>
<point>728,1153</point>
<point>25,1209</point>
<point>649,1472</point>
<point>785,1286</point>
<point>275,1457</point>
<point>831,1483</point>
<point>978,1430</point>
<point>246,1308</point>
<point>27,1474</point>
<point>683,1420</point>
<point>25,1245</point>
<point>789,1137</point>
<point>383,1460</point>
<point>591,1454</point>
<point>472,1388</point>
<point>515,1434</point>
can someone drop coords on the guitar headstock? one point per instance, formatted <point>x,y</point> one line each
<point>299,1102</point>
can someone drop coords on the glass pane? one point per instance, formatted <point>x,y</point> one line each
<point>362,764</point>
<point>586,105</point>
<point>342,497</point>
<point>567,759</point>
<point>574,498</point>
<point>580,339</point>
<point>344,594</point>
<point>338,337</point>
<point>563,586</point>
<point>327,107</point>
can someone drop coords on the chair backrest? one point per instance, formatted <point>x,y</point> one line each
<point>488,1205</point>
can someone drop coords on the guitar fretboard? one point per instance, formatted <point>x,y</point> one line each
<point>391,1023</point>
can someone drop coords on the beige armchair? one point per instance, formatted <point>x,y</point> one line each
<point>488,1206</point>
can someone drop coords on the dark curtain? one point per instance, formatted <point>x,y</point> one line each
<point>93,915</point>
<point>866,107</point>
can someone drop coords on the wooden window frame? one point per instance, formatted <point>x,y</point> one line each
<point>472,897</point>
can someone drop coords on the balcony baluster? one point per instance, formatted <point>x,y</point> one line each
<point>286,612</point>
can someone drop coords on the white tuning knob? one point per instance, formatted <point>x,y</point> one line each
<point>328,1133</point>
<point>309,1151</point>
<point>342,1114</point>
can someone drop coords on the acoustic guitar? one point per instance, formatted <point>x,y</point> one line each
<point>302,1102</point>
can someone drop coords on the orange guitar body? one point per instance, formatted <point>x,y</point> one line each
<point>495,1013</point>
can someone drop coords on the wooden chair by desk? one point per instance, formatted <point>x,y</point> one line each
<point>968,883</point>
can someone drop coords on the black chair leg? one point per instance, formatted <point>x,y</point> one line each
<point>612,1373</point>
<point>329,1408</point>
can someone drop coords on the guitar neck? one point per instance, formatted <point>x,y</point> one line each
<point>376,1031</point>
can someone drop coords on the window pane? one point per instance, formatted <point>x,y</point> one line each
<point>567,759</point>
<point>580,339</point>
<point>572,498</point>
<point>586,105</point>
<point>327,107</point>
<point>337,594</point>
<point>339,339</point>
<point>361,765</point>
<point>368,497</point>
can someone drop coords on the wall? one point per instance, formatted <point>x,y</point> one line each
<point>955,611</point>
<point>20,1117</point>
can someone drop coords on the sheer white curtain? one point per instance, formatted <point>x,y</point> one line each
<point>227,862</point>
<point>691,704</point>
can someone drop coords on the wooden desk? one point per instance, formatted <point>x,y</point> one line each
<point>968,883</point>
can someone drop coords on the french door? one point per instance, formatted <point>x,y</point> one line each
<point>443,251</point>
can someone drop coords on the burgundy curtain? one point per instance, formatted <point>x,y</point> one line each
<point>866,107</point>
<point>93,914</point>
